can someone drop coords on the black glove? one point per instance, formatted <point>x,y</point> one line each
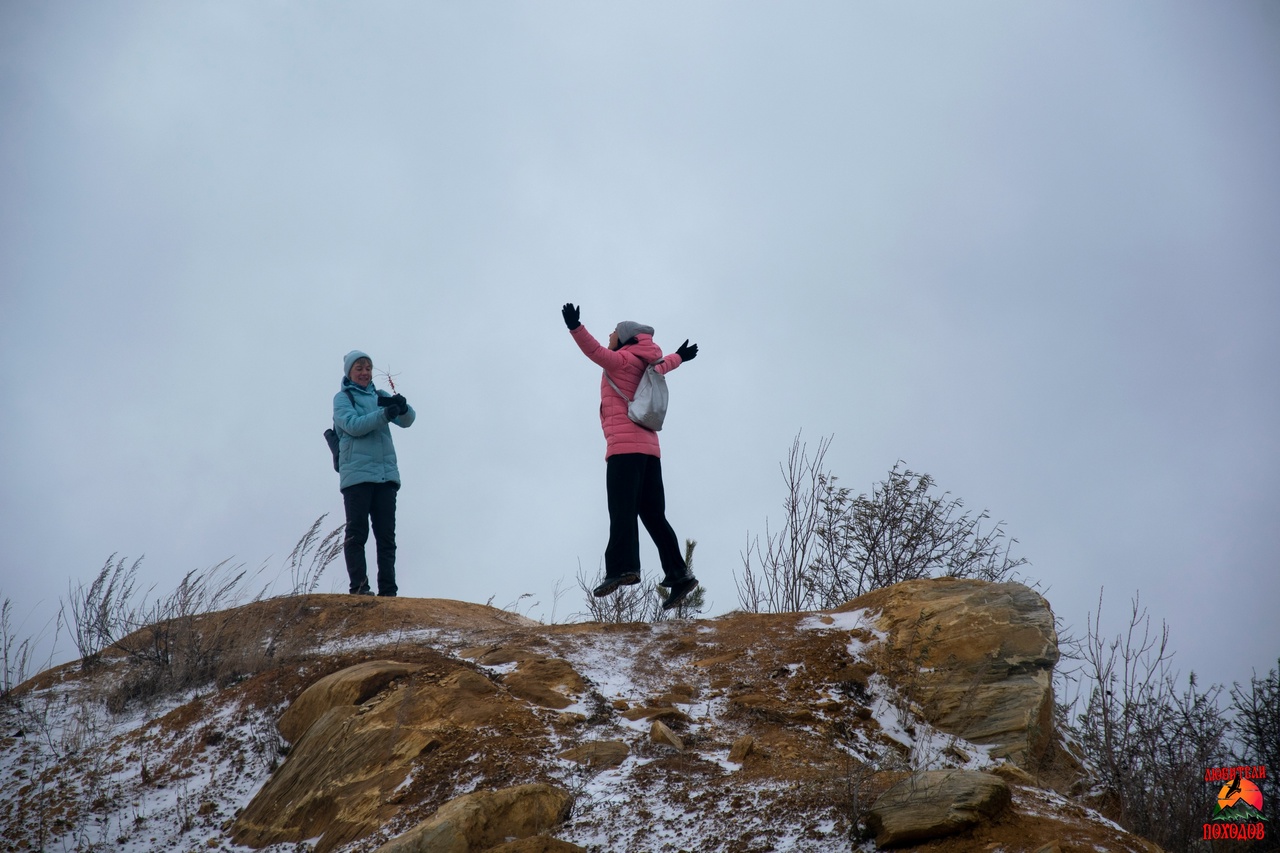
<point>687,352</point>
<point>570,314</point>
<point>392,412</point>
<point>397,404</point>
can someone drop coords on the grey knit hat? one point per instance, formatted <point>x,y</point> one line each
<point>628,329</point>
<point>350,359</point>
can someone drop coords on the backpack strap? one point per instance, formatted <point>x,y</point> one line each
<point>648,364</point>
<point>615,387</point>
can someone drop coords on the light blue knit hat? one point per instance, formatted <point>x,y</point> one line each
<point>349,360</point>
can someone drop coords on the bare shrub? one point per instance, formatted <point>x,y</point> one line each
<point>834,546</point>
<point>640,602</point>
<point>901,532</point>
<point>178,641</point>
<point>182,639</point>
<point>1146,742</point>
<point>634,603</point>
<point>782,582</point>
<point>1257,730</point>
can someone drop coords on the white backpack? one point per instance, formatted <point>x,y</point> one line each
<point>649,408</point>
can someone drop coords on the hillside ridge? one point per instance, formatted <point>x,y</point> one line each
<point>346,723</point>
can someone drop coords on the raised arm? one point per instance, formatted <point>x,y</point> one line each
<point>591,348</point>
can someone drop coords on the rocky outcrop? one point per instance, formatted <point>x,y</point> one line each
<point>463,727</point>
<point>483,819</point>
<point>935,804</point>
<point>338,781</point>
<point>352,686</point>
<point>974,658</point>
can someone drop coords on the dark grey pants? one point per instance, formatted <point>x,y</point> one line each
<point>634,485</point>
<point>363,502</point>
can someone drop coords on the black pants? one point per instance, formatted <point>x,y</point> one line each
<point>634,484</point>
<point>376,501</point>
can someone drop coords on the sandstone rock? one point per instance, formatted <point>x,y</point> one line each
<point>976,658</point>
<point>351,686</point>
<point>934,804</point>
<point>536,677</point>
<point>742,748</point>
<point>636,714</point>
<point>599,754</point>
<point>659,733</point>
<point>481,820</point>
<point>337,779</point>
<point>493,655</point>
<point>1013,773</point>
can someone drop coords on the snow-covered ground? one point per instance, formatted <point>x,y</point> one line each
<point>172,776</point>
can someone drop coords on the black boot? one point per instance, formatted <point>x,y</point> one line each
<point>679,592</point>
<point>611,583</point>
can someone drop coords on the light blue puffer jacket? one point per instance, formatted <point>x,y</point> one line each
<point>365,451</point>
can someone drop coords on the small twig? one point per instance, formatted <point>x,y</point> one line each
<point>391,379</point>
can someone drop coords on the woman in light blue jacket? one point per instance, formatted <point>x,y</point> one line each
<point>369,478</point>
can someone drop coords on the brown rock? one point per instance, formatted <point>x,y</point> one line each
<point>495,655</point>
<point>728,657</point>
<point>659,733</point>
<point>975,658</point>
<point>742,748</point>
<point>599,754</point>
<point>354,685</point>
<point>679,694</point>
<point>656,714</point>
<point>1013,773</point>
<point>934,804</point>
<point>483,819</point>
<point>537,678</point>
<point>335,783</point>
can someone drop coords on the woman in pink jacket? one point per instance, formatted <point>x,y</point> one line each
<point>633,476</point>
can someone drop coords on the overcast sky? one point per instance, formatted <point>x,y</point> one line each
<point>1028,248</point>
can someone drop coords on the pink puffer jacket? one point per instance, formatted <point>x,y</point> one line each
<point>625,367</point>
